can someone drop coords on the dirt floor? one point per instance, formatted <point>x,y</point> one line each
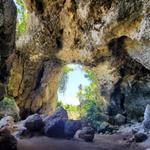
<point>101,142</point>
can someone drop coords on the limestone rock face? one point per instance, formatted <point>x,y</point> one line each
<point>7,40</point>
<point>130,96</point>
<point>7,27</point>
<point>110,37</point>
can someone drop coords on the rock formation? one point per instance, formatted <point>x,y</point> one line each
<point>7,40</point>
<point>109,37</point>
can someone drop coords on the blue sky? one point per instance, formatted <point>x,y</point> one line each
<point>76,78</point>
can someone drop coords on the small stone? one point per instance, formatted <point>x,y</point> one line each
<point>87,133</point>
<point>106,127</point>
<point>103,127</point>
<point>120,119</point>
<point>140,137</point>
<point>134,131</point>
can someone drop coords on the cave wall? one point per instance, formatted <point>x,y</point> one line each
<point>7,41</point>
<point>111,37</point>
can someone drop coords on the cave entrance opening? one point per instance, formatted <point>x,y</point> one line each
<point>74,78</point>
<point>78,94</point>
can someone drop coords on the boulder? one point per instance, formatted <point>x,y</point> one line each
<point>60,113</point>
<point>71,127</point>
<point>24,133</point>
<point>21,131</point>
<point>146,122</point>
<point>54,124</point>
<point>120,119</point>
<point>140,137</point>
<point>7,141</point>
<point>7,122</point>
<point>54,128</point>
<point>34,123</point>
<point>87,134</point>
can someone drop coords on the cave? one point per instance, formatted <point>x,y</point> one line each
<point>111,38</point>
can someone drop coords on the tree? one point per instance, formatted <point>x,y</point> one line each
<point>90,107</point>
<point>64,79</point>
<point>21,18</point>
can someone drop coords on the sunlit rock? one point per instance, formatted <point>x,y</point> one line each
<point>108,33</point>
<point>8,123</point>
<point>146,122</point>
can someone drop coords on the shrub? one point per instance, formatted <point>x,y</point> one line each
<point>8,107</point>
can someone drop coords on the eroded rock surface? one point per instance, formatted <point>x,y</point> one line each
<point>7,40</point>
<point>109,37</point>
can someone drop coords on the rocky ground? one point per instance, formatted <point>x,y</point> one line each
<point>101,142</point>
<point>56,131</point>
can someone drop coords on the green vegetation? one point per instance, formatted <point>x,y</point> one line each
<point>21,19</point>
<point>64,79</point>
<point>72,110</point>
<point>89,109</point>
<point>8,107</point>
<point>90,104</point>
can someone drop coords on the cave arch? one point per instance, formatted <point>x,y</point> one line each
<point>62,32</point>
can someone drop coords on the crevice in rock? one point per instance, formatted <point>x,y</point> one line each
<point>116,46</point>
<point>3,70</point>
<point>39,6</point>
<point>23,70</point>
<point>59,44</point>
<point>39,78</point>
